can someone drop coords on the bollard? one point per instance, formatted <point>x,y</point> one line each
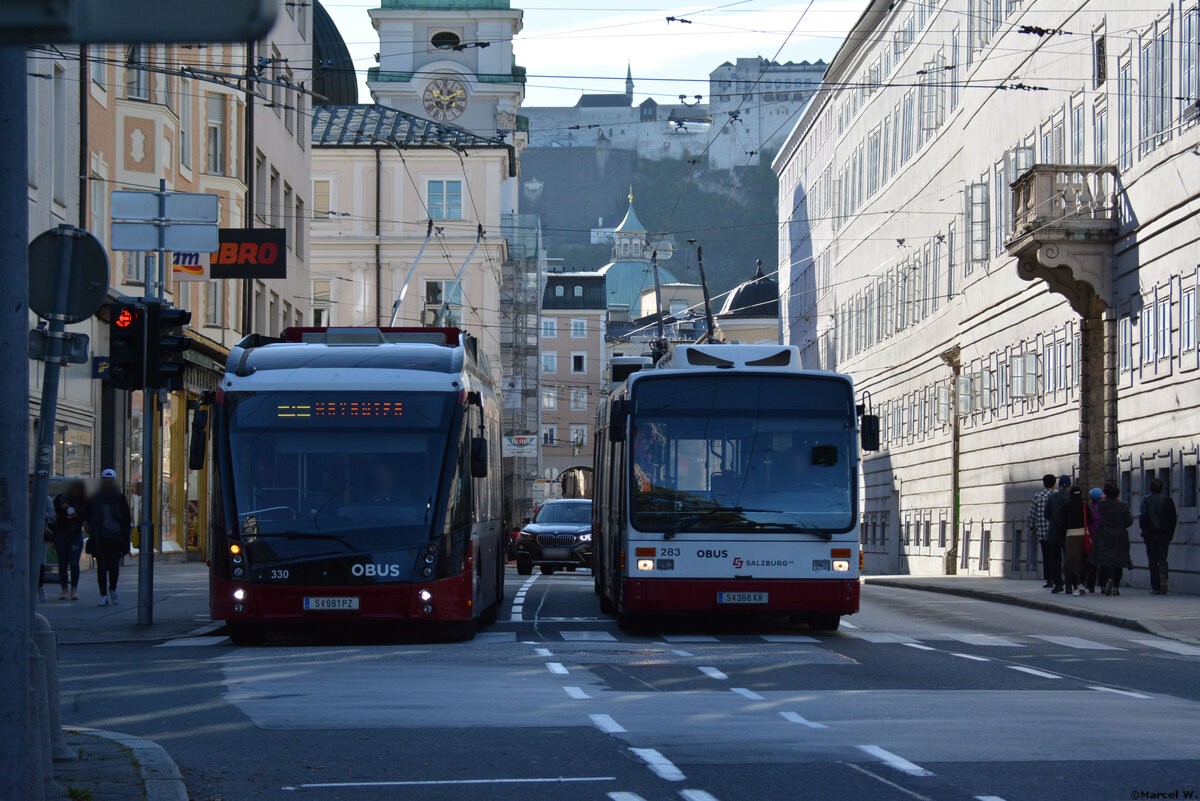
<point>47,644</point>
<point>38,757</point>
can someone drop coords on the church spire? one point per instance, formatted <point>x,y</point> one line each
<point>629,80</point>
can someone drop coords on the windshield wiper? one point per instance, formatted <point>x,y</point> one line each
<point>690,520</point>
<point>797,526</point>
<point>299,535</point>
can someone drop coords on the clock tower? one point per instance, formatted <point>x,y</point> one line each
<point>449,61</point>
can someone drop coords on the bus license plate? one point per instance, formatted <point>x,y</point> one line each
<point>330,604</point>
<point>741,597</point>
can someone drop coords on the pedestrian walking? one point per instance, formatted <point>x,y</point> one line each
<point>70,510</point>
<point>1056,535</point>
<point>1157,522</point>
<point>1039,525</point>
<point>109,524</point>
<point>1091,513</point>
<point>1074,558</point>
<point>47,537</point>
<point>1110,551</point>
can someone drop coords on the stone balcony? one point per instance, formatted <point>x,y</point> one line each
<point>1064,225</point>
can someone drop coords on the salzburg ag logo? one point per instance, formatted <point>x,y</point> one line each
<point>737,561</point>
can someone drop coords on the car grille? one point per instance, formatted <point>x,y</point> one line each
<point>555,539</point>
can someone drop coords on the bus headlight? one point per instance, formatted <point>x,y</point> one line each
<point>645,564</point>
<point>820,565</point>
<point>239,594</point>
<point>425,595</point>
<point>430,559</point>
<point>841,565</point>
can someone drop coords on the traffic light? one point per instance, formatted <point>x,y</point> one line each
<point>166,345</point>
<point>127,332</point>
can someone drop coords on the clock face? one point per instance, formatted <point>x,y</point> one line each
<point>445,99</point>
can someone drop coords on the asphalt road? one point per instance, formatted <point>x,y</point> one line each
<point>927,697</point>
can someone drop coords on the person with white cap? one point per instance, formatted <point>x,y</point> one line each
<point>109,527</point>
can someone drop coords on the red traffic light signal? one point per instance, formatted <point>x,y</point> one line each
<point>124,319</point>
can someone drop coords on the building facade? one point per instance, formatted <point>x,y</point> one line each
<point>946,140</point>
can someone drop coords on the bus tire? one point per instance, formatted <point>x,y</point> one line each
<point>547,570</point>
<point>524,566</point>
<point>824,621</point>
<point>245,632</point>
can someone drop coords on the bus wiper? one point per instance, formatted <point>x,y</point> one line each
<point>682,523</point>
<point>797,526</point>
<point>299,535</point>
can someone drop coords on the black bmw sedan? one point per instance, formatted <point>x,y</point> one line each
<point>559,536</point>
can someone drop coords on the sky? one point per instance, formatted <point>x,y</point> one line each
<point>571,47</point>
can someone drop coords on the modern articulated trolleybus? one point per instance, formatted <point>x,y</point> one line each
<point>727,479</point>
<point>355,481</point>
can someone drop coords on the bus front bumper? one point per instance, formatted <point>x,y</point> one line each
<point>449,600</point>
<point>783,596</point>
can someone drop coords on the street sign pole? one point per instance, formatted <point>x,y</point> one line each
<point>17,750</point>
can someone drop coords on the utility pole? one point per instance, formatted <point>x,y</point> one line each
<point>953,360</point>
<point>16,750</point>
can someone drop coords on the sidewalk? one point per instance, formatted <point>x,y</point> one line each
<point>180,606</point>
<point>1174,616</point>
<point>117,767</point>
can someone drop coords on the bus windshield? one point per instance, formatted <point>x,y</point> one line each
<point>743,453</point>
<point>332,472</point>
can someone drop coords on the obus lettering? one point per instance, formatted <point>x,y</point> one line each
<point>704,553</point>
<point>377,571</point>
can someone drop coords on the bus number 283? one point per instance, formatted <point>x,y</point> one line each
<point>668,552</point>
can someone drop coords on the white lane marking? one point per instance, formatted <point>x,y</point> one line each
<point>689,638</point>
<point>556,667</point>
<point>893,760</point>
<point>848,625</point>
<point>625,797</point>
<point>986,640</point>
<point>515,618</point>
<point>1078,642</point>
<point>542,651</point>
<point>1118,692</point>
<point>972,657</point>
<point>712,673</point>
<point>577,693</point>
<point>888,782</point>
<point>185,641</point>
<point>496,636</point>
<point>206,629</point>
<point>587,636</point>
<point>877,637</point>
<point>918,646</point>
<point>1035,672</point>
<point>662,767</point>
<point>606,724</point>
<point>696,795</point>
<point>436,782</point>
<point>792,717</point>
<point>1172,646</point>
<point>789,638</point>
<point>988,798</point>
<point>682,653</point>
<point>742,691</point>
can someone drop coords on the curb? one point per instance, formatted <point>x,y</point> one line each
<point>1045,606</point>
<point>160,775</point>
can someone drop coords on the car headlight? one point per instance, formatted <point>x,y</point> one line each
<point>585,537</point>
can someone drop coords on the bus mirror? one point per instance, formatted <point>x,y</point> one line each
<point>869,432</point>
<point>618,421</point>
<point>196,448</point>
<point>479,457</point>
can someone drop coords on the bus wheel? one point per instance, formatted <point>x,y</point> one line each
<point>524,566</point>
<point>244,632</point>
<point>824,621</point>
<point>547,570</point>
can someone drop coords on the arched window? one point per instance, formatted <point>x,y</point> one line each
<point>445,40</point>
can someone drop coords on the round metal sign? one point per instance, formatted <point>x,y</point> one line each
<point>87,276</point>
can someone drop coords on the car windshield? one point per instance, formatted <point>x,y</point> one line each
<point>743,453</point>
<point>331,473</point>
<point>574,512</point>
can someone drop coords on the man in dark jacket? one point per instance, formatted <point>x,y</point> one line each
<point>1056,537</point>
<point>109,527</point>
<point>1157,522</point>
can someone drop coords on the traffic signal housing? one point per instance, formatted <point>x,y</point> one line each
<point>126,341</point>
<point>166,346</point>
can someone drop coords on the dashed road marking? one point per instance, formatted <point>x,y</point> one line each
<point>987,640</point>
<point>437,782</point>
<point>606,724</point>
<point>542,651</point>
<point>895,761</point>
<point>577,693</point>
<point>713,673</point>
<point>918,646</point>
<point>988,798</point>
<point>662,767</point>
<point>587,636</point>
<point>1172,646</point>
<point>888,782</point>
<point>1078,642</point>
<point>1035,672</point>
<point>625,797</point>
<point>557,667</point>
<point>878,637</point>
<point>685,654</point>
<point>972,657</point>
<point>696,795</point>
<point>1118,692</point>
<point>792,717</point>
<point>742,691</point>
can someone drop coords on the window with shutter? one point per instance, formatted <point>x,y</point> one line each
<point>964,396</point>
<point>977,221</point>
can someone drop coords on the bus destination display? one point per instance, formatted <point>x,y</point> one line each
<point>341,409</point>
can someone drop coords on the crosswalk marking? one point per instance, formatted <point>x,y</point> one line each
<point>1035,672</point>
<point>606,724</point>
<point>696,795</point>
<point>893,760</point>
<point>713,673</point>
<point>625,797</point>
<point>689,638</point>
<point>789,638</point>
<point>1117,692</point>
<point>577,693</point>
<point>742,691</point>
<point>592,636</point>
<point>663,767</point>
<point>792,717</point>
<point>987,640</point>
<point>878,637</point>
<point>1077,642</point>
<point>972,657</point>
<point>1172,646</point>
<point>918,646</point>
